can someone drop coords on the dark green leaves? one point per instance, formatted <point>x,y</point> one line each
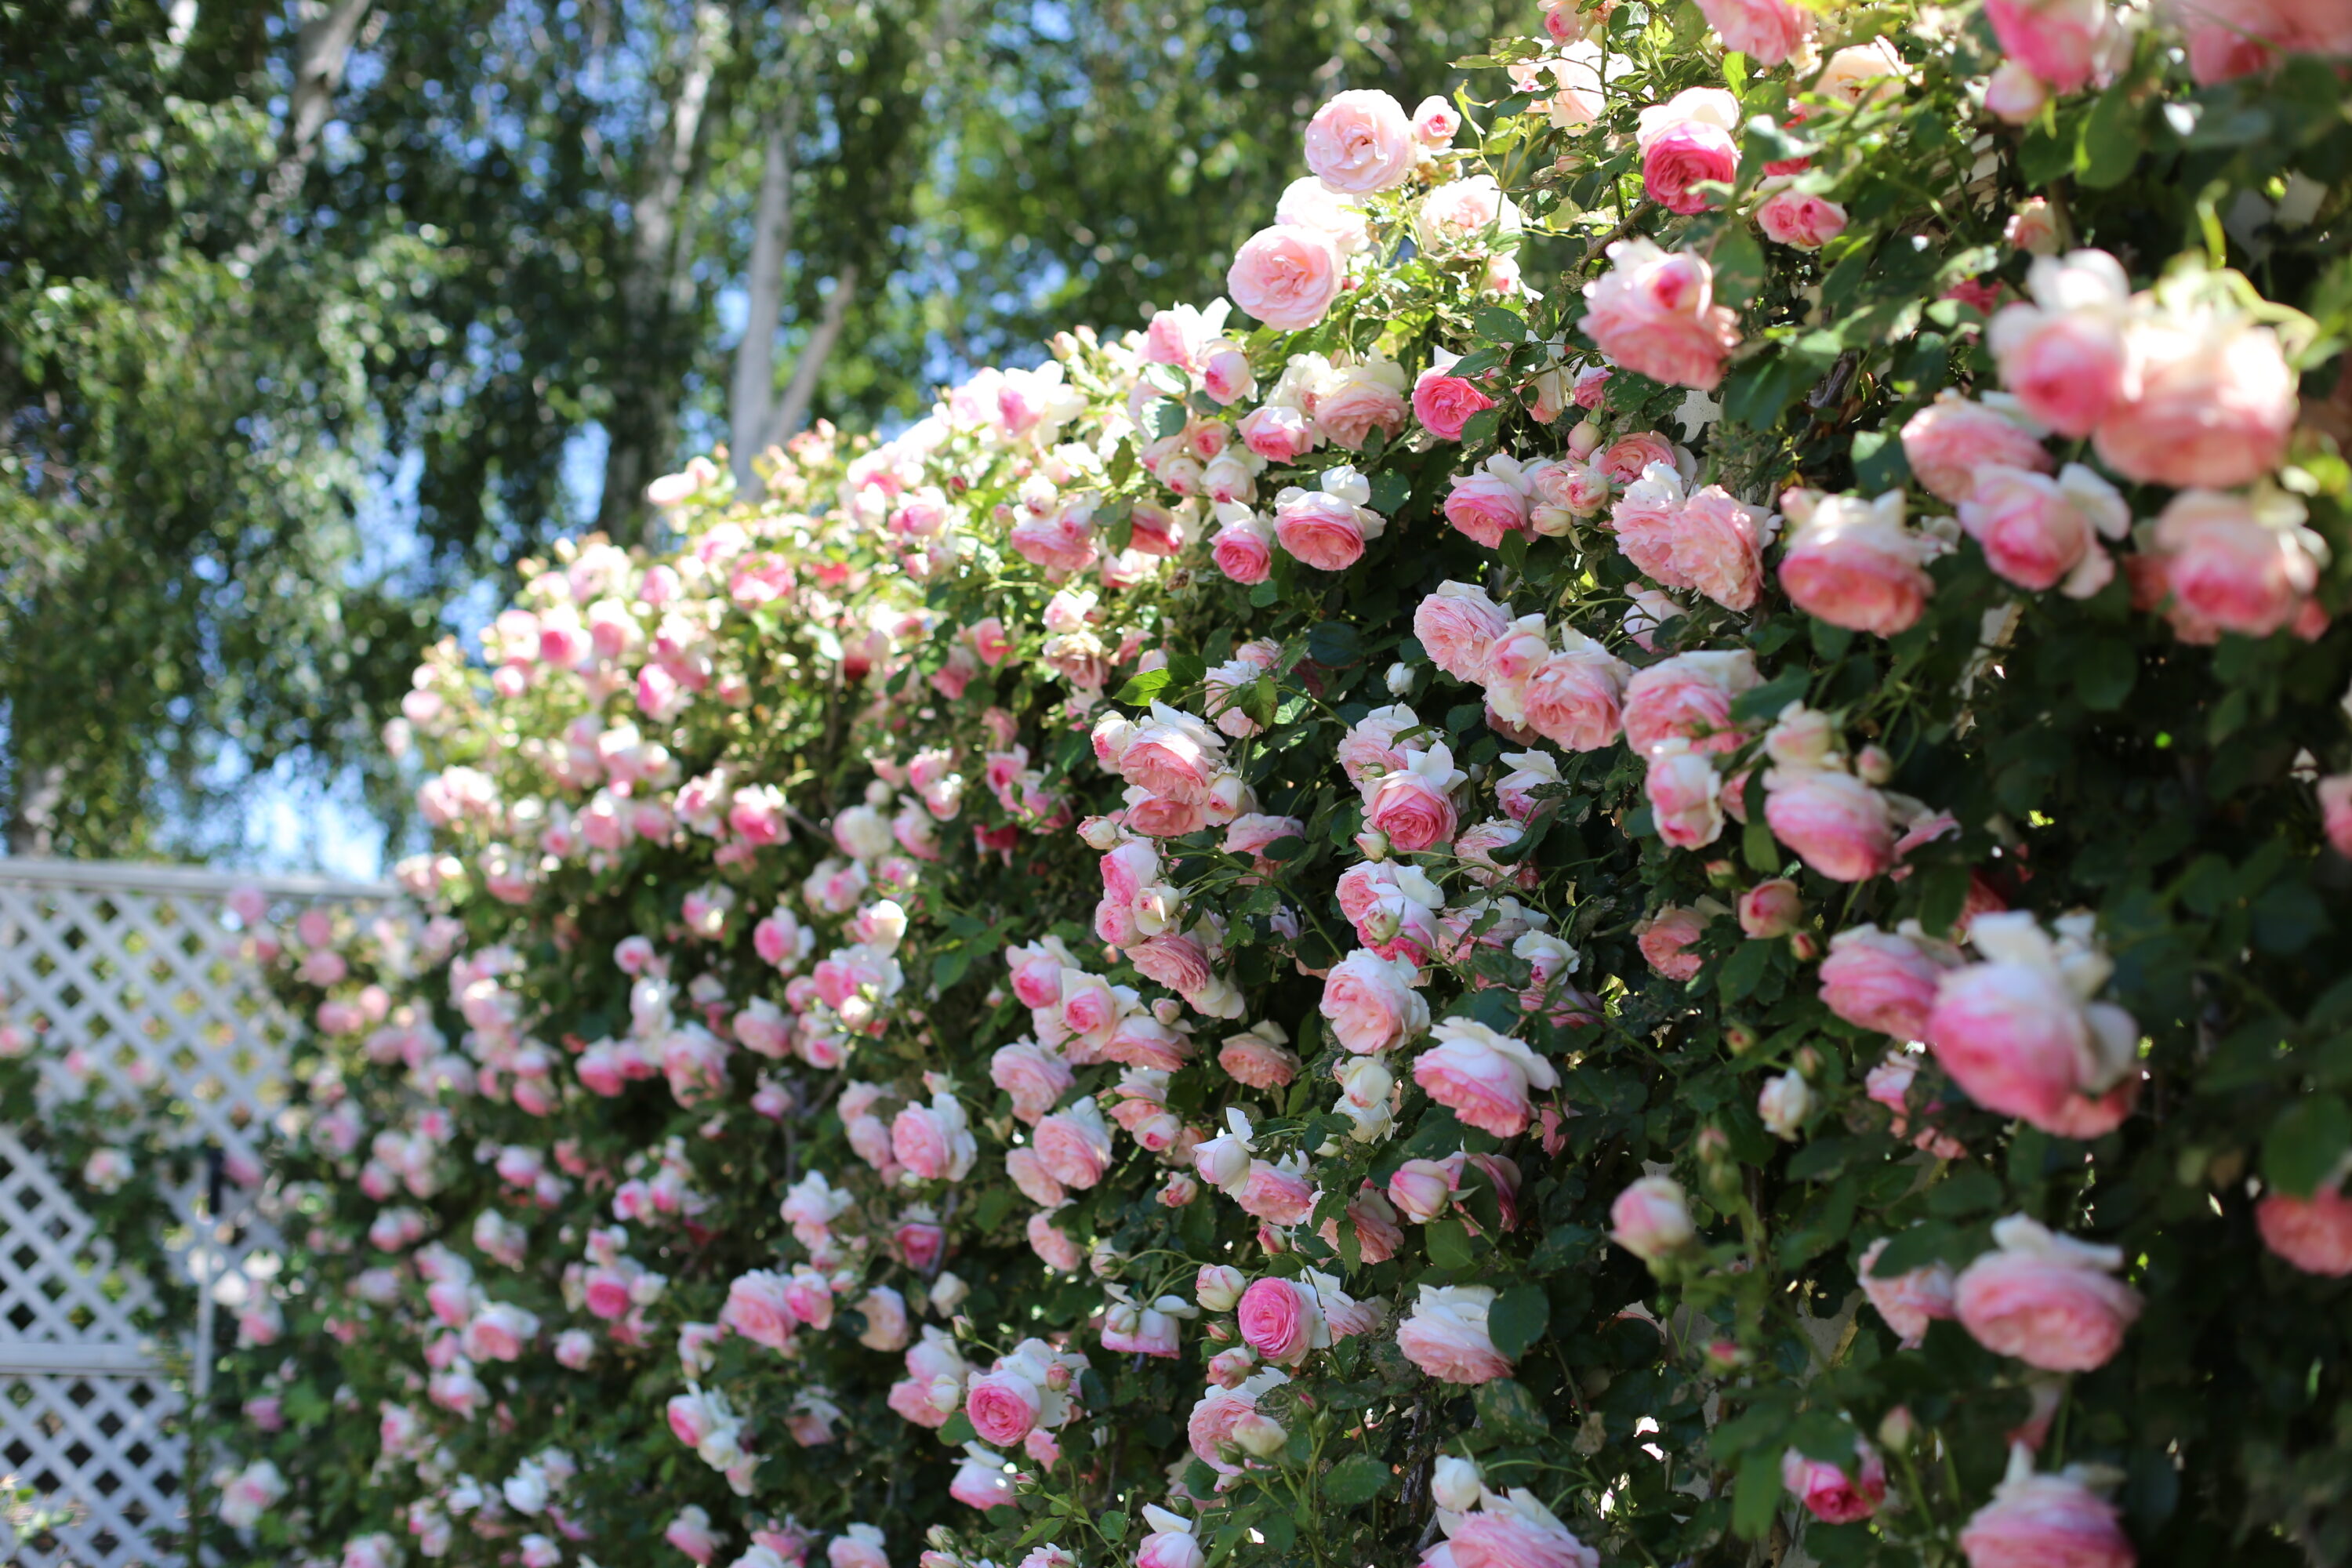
<point>2306,1142</point>
<point>1517,1319</point>
<point>1354,1481</point>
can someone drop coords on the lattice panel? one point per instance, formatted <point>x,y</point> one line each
<point>134,971</point>
<point>102,1448</point>
<point>58,1282</point>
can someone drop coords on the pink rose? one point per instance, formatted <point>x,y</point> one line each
<point>2231,38</point>
<point>1276,1195</point>
<point>1880,981</point>
<point>1626,459</point>
<point>2046,1521</point>
<point>1800,218</point>
<point>1279,435</point>
<point>1436,123</point>
<point>1356,400</point>
<point>1034,1078</point>
<point>2037,531</point>
<point>1836,1494</point>
<point>1242,548</point>
<point>1414,813</point>
<point>1064,542</point>
<point>2049,1300</point>
<point>1002,1407</point>
<point>1174,961</point>
<point>2215,404</point>
<point>1278,1318</point>
<point>1683,155</point>
<point>1853,563</point>
<point>1651,1219</point>
<point>1951,441</point>
<point>1371,1004</point>
<point>1771,909</point>
<point>2059,41</point>
<point>1689,695</point>
<point>1684,791</point>
<point>1446,1335</point>
<point>1444,403</point>
<point>1655,314</point>
<point>1456,626</point>
<point>2315,1233</point>
<point>756,1309</point>
<point>1482,1075</point>
<point>1668,940</point>
<point>1718,545</point>
<point>1257,1061</point>
<point>1358,143</point>
<point>2019,1041</point>
<point>1839,825</point>
<point>2065,355</point>
<point>1908,1301</point>
<point>1770,31</point>
<point>1487,505</point>
<point>1285,276</point>
<point>2335,793</point>
<point>1323,530</point>
<point>1075,1145</point>
<point>1572,697</point>
<point>2230,566</point>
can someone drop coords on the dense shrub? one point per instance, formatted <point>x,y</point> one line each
<point>1650,881</point>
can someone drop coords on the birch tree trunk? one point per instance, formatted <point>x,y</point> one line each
<point>751,398</point>
<point>641,428</point>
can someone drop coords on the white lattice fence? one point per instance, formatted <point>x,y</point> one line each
<point>126,973</point>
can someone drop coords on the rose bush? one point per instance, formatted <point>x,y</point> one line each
<point>1663,869</point>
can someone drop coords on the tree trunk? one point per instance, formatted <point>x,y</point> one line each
<point>751,401</point>
<point>323,49</point>
<point>641,428</point>
<point>40,790</point>
<point>798,395</point>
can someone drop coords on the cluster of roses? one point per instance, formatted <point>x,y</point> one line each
<point>561,763</point>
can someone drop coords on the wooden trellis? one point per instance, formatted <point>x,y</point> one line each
<point>133,969</point>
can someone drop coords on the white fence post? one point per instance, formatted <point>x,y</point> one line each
<point>132,966</point>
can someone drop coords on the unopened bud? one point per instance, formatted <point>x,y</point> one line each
<point>1896,1428</point>
<point>1258,1435</point>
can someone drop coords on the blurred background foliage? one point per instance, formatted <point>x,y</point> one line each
<point>315,318</point>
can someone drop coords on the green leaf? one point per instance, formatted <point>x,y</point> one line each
<point>1738,267</point>
<point>1756,1493</point>
<point>1967,1191</point>
<point>1480,427</point>
<point>948,967</point>
<point>1497,326</point>
<point>2306,1143</point>
<point>1759,850</point>
<point>1943,894</point>
<point>2104,674</point>
<point>1164,419</point>
<point>1390,489</point>
<point>1743,970</point>
<point>1142,691</point>
<point>1766,701</point>
<point>1508,1407</point>
<point>2108,146</point>
<point>1879,464</point>
<point>1758,391</point>
<point>1113,1525</point>
<point>1334,642</point>
<point>1518,1319</point>
<point>1355,1480</point>
<point>957,1430</point>
<point>1448,1243</point>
